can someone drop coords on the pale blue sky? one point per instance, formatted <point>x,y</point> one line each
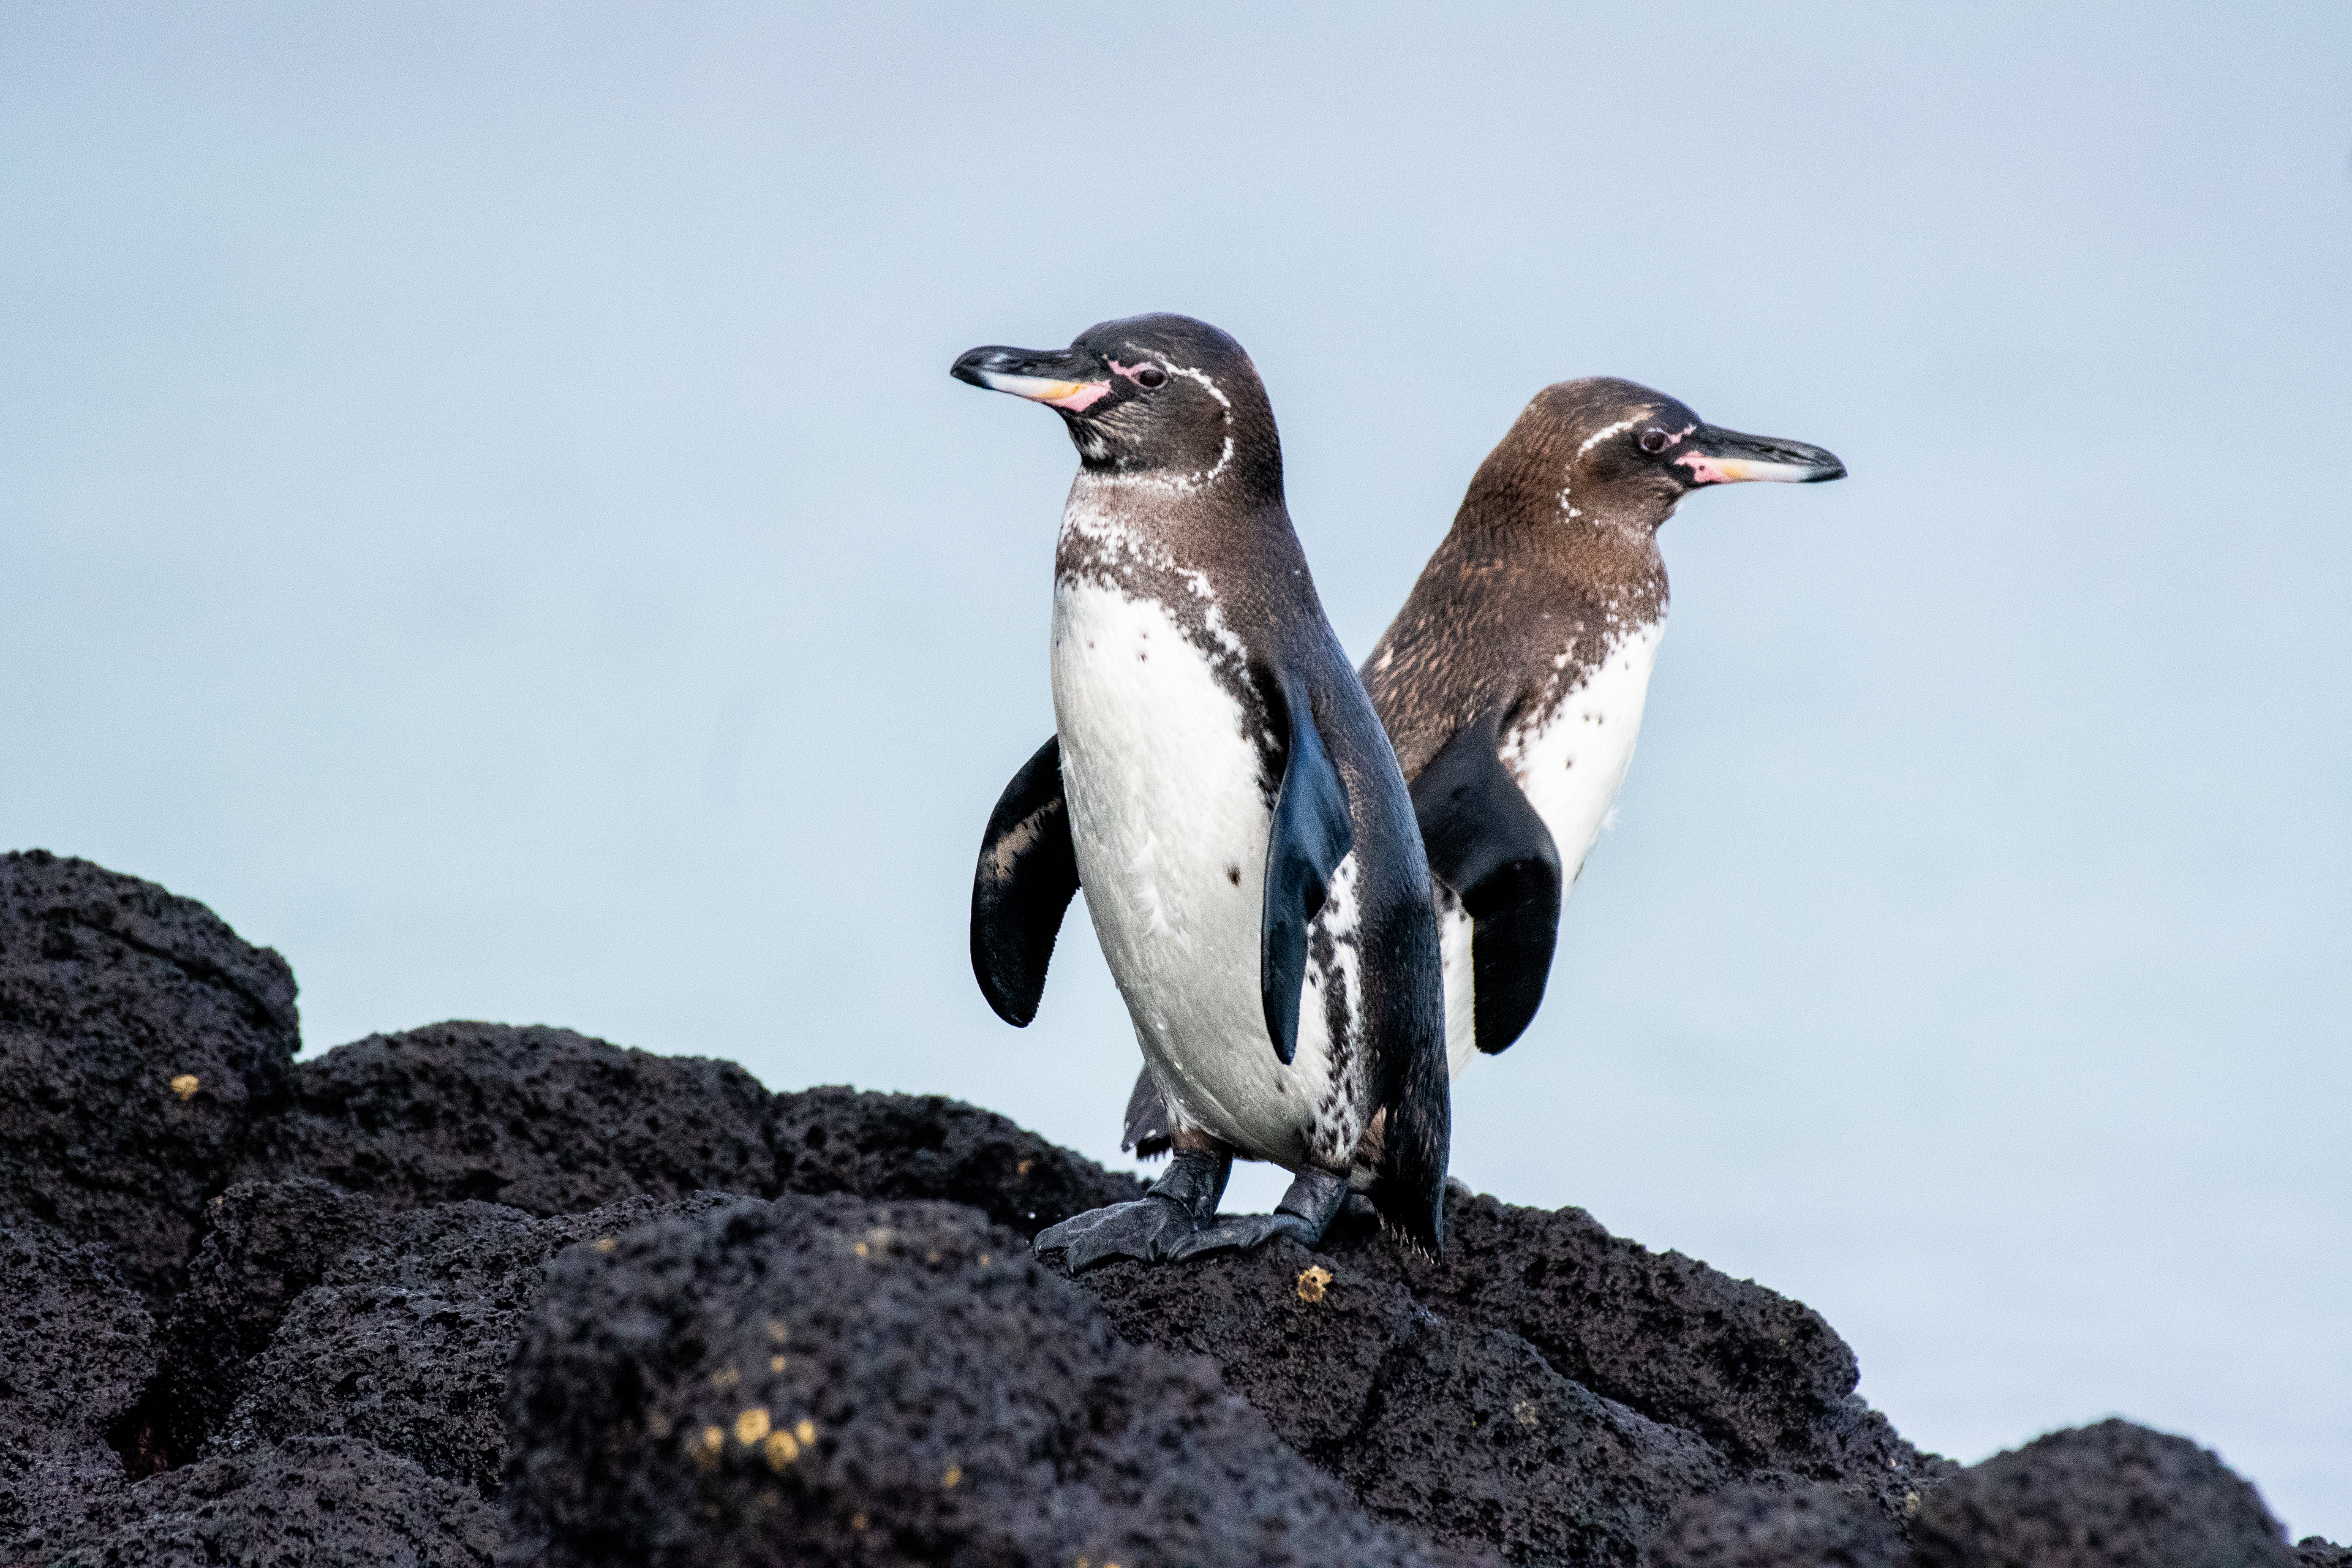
<point>482,506</point>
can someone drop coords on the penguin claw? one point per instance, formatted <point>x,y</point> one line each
<point>1145,1230</point>
<point>1240,1233</point>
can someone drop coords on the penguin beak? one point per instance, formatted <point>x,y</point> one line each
<point>1060,378</point>
<point>1716,456</point>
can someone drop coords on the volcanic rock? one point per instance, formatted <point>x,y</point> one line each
<point>927,1146</point>
<point>552,1122</point>
<point>539,1120</point>
<point>834,1380</point>
<point>76,1346</point>
<point>138,1036</point>
<point>1455,1429</point>
<point>324,1500</point>
<point>475,1277</point>
<point>311,1311</point>
<point>1812,1525</point>
<point>2108,1496</point>
<point>1761,1378</point>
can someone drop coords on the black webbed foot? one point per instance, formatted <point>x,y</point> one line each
<point>1150,1228</point>
<point>1240,1232</point>
<point>1143,1230</point>
<point>1302,1216</point>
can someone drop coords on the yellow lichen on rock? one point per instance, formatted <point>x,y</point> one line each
<point>752,1424</point>
<point>186,1085</point>
<point>1313,1281</point>
<point>707,1448</point>
<point>781,1448</point>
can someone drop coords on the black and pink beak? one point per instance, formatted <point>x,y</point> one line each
<point>1716,456</point>
<point>1068,379</point>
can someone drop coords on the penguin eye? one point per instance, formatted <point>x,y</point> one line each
<point>1149,376</point>
<point>1654,440</point>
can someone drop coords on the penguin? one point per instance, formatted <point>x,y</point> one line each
<point>1219,785</point>
<point>1512,682</point>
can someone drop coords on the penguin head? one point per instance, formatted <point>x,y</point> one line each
<point>1156,397</point>
<point>1628,456</point>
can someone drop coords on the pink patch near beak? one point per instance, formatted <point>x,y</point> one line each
<point>1082,396</point>
<point>1705,470</point>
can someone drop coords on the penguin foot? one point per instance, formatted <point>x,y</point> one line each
<point>1144,1230</point>
<point>1304,1215</point>
<point>1240,1232</point>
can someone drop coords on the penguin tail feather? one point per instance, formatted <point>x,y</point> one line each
<point>1408,1190</point>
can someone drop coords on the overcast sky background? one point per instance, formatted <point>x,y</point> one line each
<point>483,506</point>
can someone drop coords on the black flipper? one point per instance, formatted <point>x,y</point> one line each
<point>1028,874</point>
<point>1312,836</point>
<point>1149,1131</point>
<point>1487,842</point>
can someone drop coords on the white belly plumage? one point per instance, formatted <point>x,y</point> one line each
<point>1170,832</point>
<point>1570,763</point>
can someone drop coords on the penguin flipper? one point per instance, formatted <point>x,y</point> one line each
<point>1312,836</point>
<point>1028,873</point>
<point>1487,842</point>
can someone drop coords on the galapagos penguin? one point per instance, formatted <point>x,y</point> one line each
<point>1218,783</point>
<point>1512,682</point>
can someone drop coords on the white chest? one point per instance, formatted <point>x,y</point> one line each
<point>1570,763</point>
<point>1571,760</point>
<point>1170,830</point>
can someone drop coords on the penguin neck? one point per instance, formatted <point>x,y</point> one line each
<point>1159,520</point>
<point>1597,556</point>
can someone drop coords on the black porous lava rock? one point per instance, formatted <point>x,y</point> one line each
<point>539,1120</point>
<point>268,1243</point>
<point>2114,1495</point>
<point>927,1146</point>
<point>1459,1431</point>
<point>138,1036</point>
<point>1760,1377</point>
<point>313,1312</point>
<point>474,1277</point>
<point>310,1500</point>
<point>552,1122</point>
<point>1811,1525</point>
<point>76,1346</point>
<point>827,1380</point>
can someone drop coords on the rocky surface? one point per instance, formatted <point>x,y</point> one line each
<point>552,1122</point>
<point>138,1036</point>
<point>309,1500</point>
<point>770,1383</point>
<point>390,1326</point>
<point>1757,1525</point>
<point>2095,1496</point>
<point>76,1346</point>
<point>479,1292</point>
<point>1459,1431</point>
